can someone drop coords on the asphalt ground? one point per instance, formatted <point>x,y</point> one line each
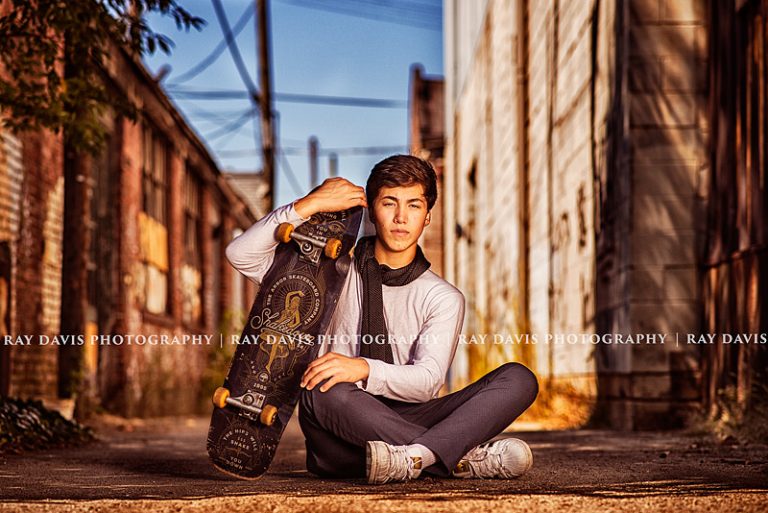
<point>161,465</point>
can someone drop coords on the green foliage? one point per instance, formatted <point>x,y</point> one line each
<point>28,425</point>
<point>54,51</point>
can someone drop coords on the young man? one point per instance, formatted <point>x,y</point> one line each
<point>369,405</point>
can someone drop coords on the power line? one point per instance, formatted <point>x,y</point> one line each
<point>291,175</point>
<point>397,14</point>
<point>219,118</point>
<point>253,93</point>
<point>349,101</point>
<point>231,127</point>
<point>429,12</point>
<point>234,51</point>
<point>414,15</point>
<point>300,151</point>
<point>341,100</point>
<point>211,58</point>
<point>208,95</point>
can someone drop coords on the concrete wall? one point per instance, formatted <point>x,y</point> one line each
<point>525,253</point>
<point>670,171</point>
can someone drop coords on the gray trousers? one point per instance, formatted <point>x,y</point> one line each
<point>338,423</point>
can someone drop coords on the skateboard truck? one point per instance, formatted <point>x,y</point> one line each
<point>267,414</point>
<point>310,246</point>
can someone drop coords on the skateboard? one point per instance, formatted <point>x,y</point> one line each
<point>294,305</point>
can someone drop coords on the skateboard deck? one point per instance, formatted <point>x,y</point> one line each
<point>294,305</point>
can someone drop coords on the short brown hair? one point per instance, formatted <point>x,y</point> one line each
<point>402,171</point>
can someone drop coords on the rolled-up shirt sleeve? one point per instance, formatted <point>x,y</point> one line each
<point>421,378</point>
<point>253,251</point>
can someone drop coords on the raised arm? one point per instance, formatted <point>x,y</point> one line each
<point>253,251</point>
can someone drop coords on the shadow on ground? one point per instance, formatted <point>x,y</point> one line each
<point>166,459</point>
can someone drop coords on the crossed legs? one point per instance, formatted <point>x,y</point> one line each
<point>338,423</point>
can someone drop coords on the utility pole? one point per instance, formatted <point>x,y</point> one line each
<point>313,178</point>
<point>265,98</point>
<point>333,165</point>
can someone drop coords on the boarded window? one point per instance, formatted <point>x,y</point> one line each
<point>191,273</point>
<point>153,223</point>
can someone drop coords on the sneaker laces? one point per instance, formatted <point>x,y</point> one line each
<point>490,465</point>
<point>482,462</point>
<point>410,467</point>
<point>487,460</point>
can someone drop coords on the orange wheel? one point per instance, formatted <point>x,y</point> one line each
<point>284,232</point>
<point>220,397</point>
<point>333,248</point>
<point>268,415</point>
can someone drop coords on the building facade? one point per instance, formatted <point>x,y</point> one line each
<point>426,139</point>
<point>159,216</point>
<point>579,172</point>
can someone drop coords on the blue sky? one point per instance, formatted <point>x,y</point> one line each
<point>316,52</point>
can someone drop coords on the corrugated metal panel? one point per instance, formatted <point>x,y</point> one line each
<point>10,201</point>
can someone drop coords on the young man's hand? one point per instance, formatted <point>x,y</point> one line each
<point>336,368</point>
<point>334,195</point>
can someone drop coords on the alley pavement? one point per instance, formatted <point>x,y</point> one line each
<point>161,465</point>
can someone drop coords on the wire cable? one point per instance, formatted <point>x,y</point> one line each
<point>218,118</point>
<point>397,16</point>
<point>253,92</point>
<point>231,127</point>
<point>216,53</point>
<point>349,101</point>
<point>299,151</point>
<point>291,175</point>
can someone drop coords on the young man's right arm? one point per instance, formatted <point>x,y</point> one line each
<point>253,251</point>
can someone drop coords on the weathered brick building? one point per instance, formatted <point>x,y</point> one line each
<point>31,203</point>
<point>161,214</point>
<point>579,170</point>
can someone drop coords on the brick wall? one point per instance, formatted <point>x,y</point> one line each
<point>38,265</point>
<point>138,380</point>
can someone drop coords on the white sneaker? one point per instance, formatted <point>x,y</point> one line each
<point>385,463</point>
<point>505,458</point>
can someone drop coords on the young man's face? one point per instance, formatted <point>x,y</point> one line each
<point>400,215</point>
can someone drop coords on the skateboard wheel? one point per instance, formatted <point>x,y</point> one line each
<point>268,415</point>
<point>220,397</point>
<point>333,248</point>
<point>284,232</point>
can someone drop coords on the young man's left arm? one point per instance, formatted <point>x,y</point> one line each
<point>419,380</point>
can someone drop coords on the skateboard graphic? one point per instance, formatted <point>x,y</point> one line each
<point>294,305</point>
